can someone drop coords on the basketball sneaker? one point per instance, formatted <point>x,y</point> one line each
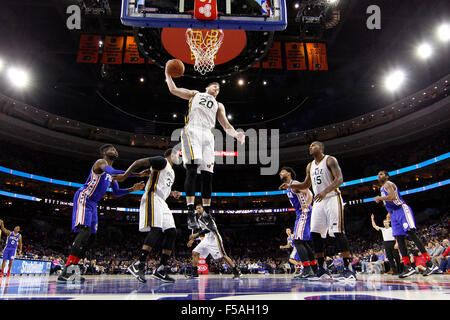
<point>236,273</point>
<point>137,269</point>
<point>298,271</point>
<point>408,271</point>
<point>347,275</point>
<point>306,274</point>
<point>70,274</point>
<point>161,274</point>
<point>429,271</point>
<point>191,221</point>
<point>321,274</point>
<point>191,273</point>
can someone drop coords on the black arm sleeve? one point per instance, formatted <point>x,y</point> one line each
<point>157,163</point>
<point>203,232</point>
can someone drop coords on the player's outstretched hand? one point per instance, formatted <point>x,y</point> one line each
<point>377,199</point>
<point>119,177</point>
<point>284,186</point>
<point>320,196</point>
<point>144,173</point>
<point>138,186</point>
<point>372,216</point>
<point>240,136</point>
<point>190,242</point>
<point>175,194</point>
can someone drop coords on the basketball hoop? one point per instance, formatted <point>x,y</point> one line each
<point>204,45</point>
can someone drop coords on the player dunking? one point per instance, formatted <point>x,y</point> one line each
<point>211,244</point>
<point>197,143</point>
<point>293,257</point>
<point>84,213</point>
<point>155,217</point>
<point>403,224</point>
<point>325,176</point>
<point>301,201</point>
<point>13,240</point>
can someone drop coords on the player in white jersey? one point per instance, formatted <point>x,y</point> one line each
<point>211,244</point>
<point>325,176</point>
<point>155,217</point>
<point>197,142</point>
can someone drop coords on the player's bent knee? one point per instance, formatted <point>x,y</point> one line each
<point>170,235</point>
<point>341,242</point>
<point>152,237</point>
<point>206,184</point>
<point>317,242</point>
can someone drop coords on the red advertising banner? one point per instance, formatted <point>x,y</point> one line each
<point>89,48</point>
<point>132,52</point>
<point>295,56</point>
<point>112,51</point>
<point>273,60</point>
<point>317,56</point>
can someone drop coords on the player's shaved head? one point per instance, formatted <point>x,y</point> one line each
<point>321,145</point>
<point>213,83</point>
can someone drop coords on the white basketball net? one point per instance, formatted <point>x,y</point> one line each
<point>204,46</point>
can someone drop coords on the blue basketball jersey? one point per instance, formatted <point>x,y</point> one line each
<point>12,241</point>
<point>392,205</point>
<point>291,240</point>
<point>96,185</point>
<point>297,200</point>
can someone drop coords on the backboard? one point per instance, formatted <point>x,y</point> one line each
<point>257,15</point>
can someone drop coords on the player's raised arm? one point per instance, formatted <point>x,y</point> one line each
<point>372,217</point>
<point>306,184</point>
<point>5,231</point>
<point>390,189</point>
<point>101,165</point>
<point>157,163</point>
<point>229,129</point>
<point>179,92</point>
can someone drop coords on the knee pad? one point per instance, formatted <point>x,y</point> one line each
<point>170,235</point>
<point>341,242</point>
<point>317,242</point>
<point>81,241</point>
<point>153,237</point>
<point>206,184</point>
<point>190,181</point>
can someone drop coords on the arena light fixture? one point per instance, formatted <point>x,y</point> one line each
<point>241,82</point>
<point>229,116</point>
<point>18,77</point>
<point>424,50</point>
<point>443,32</point>
<point>394,80</point>
<point>297,5</point>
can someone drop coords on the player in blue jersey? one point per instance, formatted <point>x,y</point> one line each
<point>293,257</point>
<point>13,240</point>
<point>301,200</point>
<point>84,213</point>
<point>403,224</point>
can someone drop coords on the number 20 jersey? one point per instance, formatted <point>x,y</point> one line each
<point>202,111</point>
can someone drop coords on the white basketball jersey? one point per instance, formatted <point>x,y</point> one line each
<point>321,177</point>
<point>202,111</point>
<point>160,182</point>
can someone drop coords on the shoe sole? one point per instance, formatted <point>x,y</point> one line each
<point>163,280</point>
<point>432,271</point>
<point>136,275</point>
<point>408,274</point>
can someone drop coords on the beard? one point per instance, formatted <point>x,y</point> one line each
<point>284,179</point>
<point>112,157</point>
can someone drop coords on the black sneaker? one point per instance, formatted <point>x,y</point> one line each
<point>237,274</point>
<point>163,276</point>
<point>137,269</point>
<point>306,273</point>
<point>429,271</point>
<point>407,272</point>
<point>191,273</point>
<point>191,221</point>
<point>207,219</point>
<point>70,274</point>
<point>347,275</point>
<point>321,274</point>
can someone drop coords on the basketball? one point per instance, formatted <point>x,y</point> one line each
<point>175,68</point>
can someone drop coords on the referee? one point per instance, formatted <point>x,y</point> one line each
<point>389,243</point>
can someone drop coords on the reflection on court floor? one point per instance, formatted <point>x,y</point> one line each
<point>249,287</point>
